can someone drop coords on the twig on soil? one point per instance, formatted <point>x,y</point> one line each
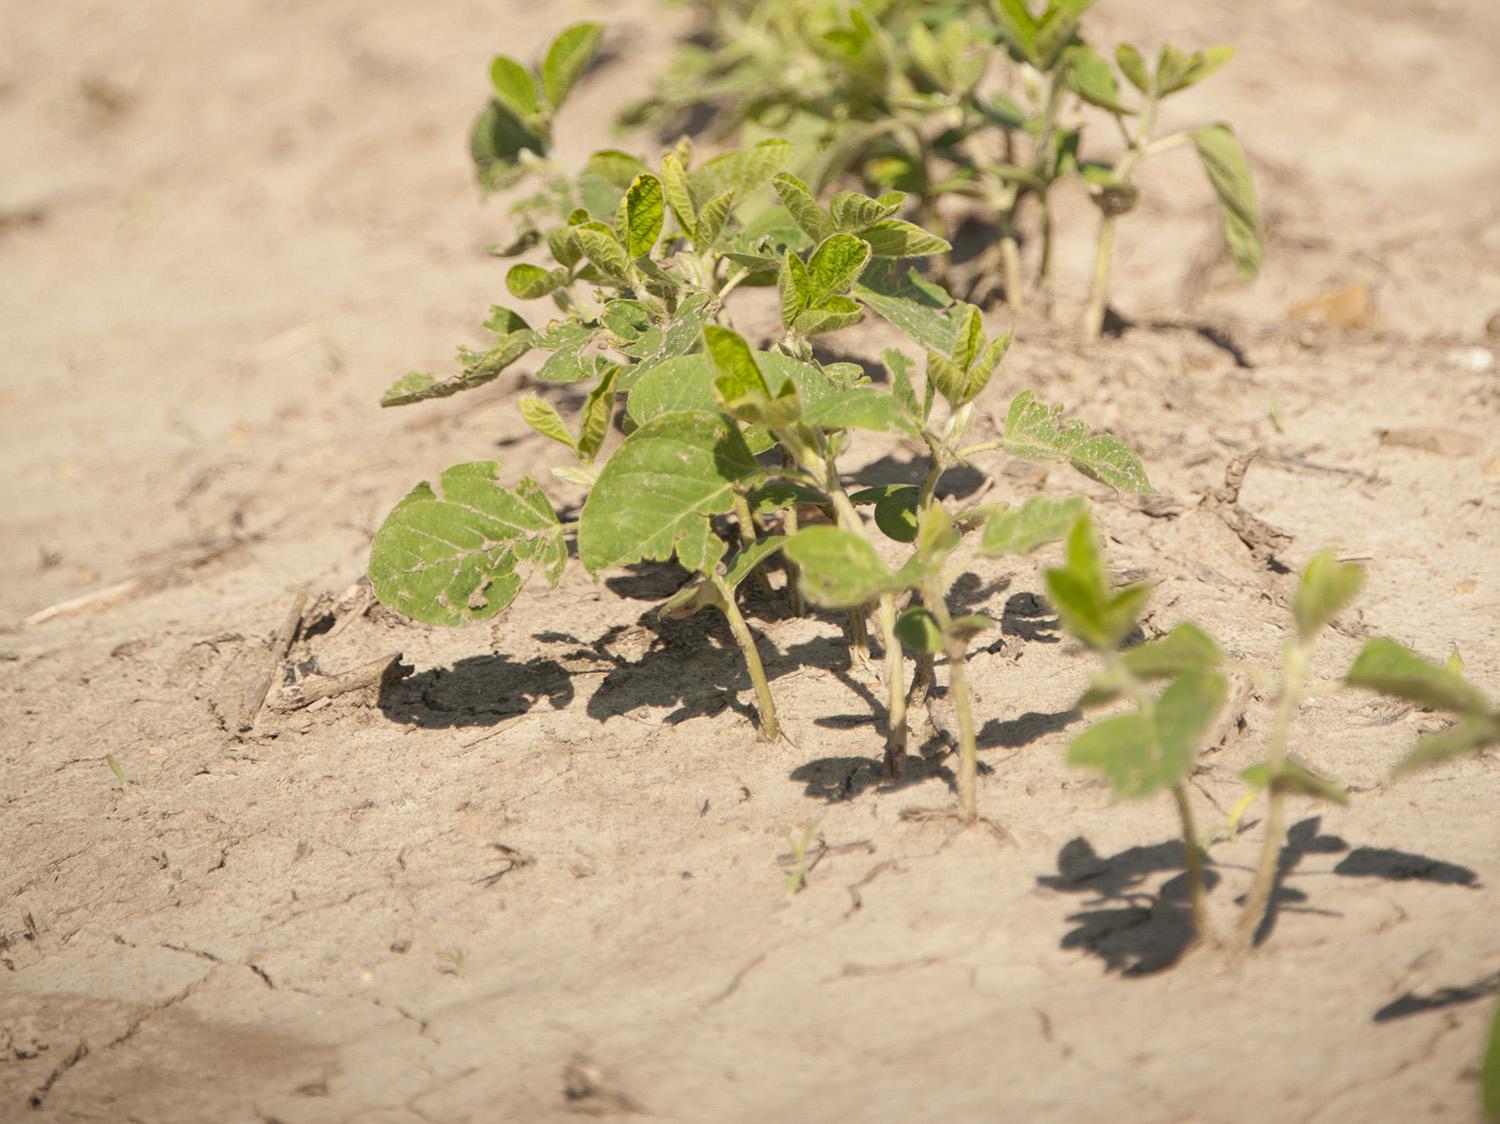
<point>374,673</point>
<point>281,644</point>
<point>138,586</point>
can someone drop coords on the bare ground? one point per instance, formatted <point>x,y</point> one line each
<point>544,874</point>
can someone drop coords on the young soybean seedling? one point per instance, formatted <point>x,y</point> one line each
<point>1154,747</point>
<point>1111,187</point>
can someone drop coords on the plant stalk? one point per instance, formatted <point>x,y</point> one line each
<point>747,540</point>
<point>958,685</point>
<point>1196,886</point>
<point>1259,897</point>
<point>1093,316</point>
<point>765,704</point>
<point>895,687</point>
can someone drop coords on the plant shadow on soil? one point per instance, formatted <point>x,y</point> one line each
<point>689,666</point>
<point>1138,932</point>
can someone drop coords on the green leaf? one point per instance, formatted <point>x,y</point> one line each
<point>463,555</point>
<point>1470,734</point>
<point>679,196</point>
<point>861,407</point>
<point>1176,71</point>
<point>544,419</point>
<point>741,171</point>
<point>1090,78</point>
<point>645,212</point>
<point>970,339</point>
<point>666,476</point>
<point>1079,591</point>
<point>800,204</point>
<point>898,365</point>
<point>686,385</point>
<point>914,305</point>
<point>680,336</point>
<point>795,288</point>
<point>567,338</point>
<point>1022,529</point>
<point>615,167</point>
<point>1295,780</point>
<point>566,58</point>
<point>918,630</point>
<point>852,211</point>
<point>1148,751</point>
<point>598,410</point>
<point>833,267</point>
<point>496,143</point>
<point>839,569</point>
<point>1038,432</point>
<point>712,217</point>
<point>778,495</point>
<point>604,250</point>
<point>527,282</point>
<point>751,557</point>
<point>1019,27</point>
<point>1325,590</point>
<point>895,509</point>
<point>739,375</point>
<point>1186,648</point>
<point>1133,66</point>
<point>949,378</point>
<point>514,87</point>
<point>1057,28</point>
<point>1229,173</point>
<point>698,548</point>
<point>833,314</point>
<point>1393,669</point>
<point>896,238</point>
<point>515,340</point>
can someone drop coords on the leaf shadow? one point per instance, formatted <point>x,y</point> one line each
<point>1410,1003</point>
<point>1138,930</point>
<point>476,691</point>
<point>834,780</point>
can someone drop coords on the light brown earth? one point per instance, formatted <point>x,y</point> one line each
<point>541,876</point>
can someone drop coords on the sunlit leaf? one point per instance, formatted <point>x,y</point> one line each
<point>1229,173</point>
<point>566,59</point>
<point>1022,529</point>
<point>1038,432</point>
<point>514,87</point>
<point>664,478</point>
<point>838,569</point>
<point>463,552</point>
<point>1393,669</point>
<point>1296,780</point>
<point>544,419</point>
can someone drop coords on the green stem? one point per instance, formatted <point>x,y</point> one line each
<point>1259,897</point>
<point>1045,278</point>
<point>895,687</point>
<point>958,685</point>
<point>1093,316</point>
<point>1010,263</point>
<point>1196,888</point>
<point>765,705</point>
<point>747,540</point>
